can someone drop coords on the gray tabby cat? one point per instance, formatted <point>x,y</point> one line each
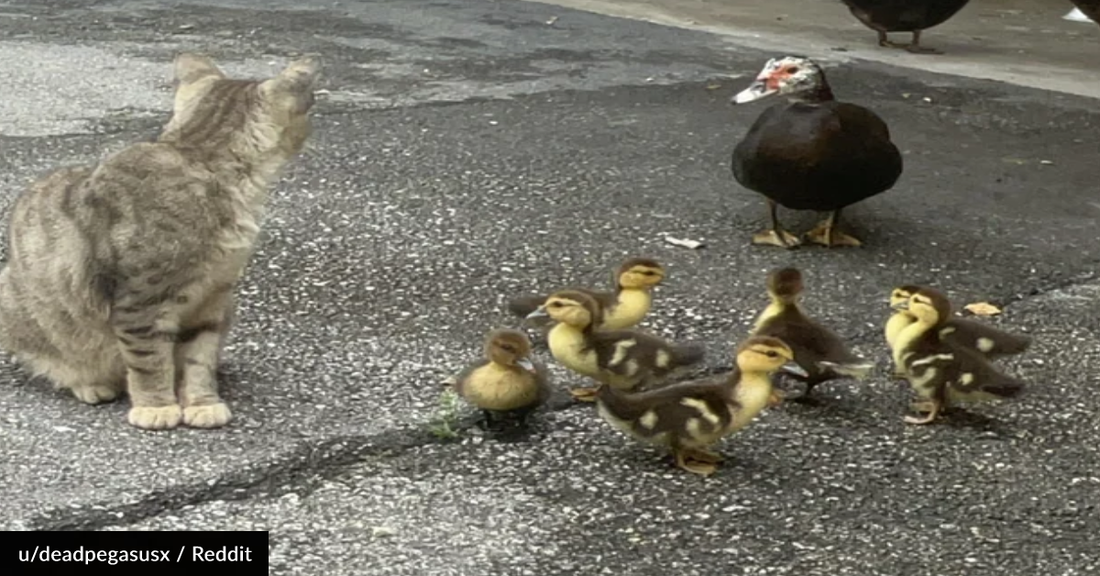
<point>121,276</point>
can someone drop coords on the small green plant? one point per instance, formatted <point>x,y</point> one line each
<point>446,415</point>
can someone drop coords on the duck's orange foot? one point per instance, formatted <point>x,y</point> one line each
<point>777,237</point>
<point>827,235</point>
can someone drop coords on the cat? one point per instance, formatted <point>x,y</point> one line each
<point>121,276</point>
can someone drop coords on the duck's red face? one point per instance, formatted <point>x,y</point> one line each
<point>780,76</point>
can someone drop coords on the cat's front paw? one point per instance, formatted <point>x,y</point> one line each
<point>94,394</point>
<point>155,418</point>
<point>207,416</point>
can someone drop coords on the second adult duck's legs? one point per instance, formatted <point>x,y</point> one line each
<point>775,236</point>
<point>826,233</point>
<point>913,46</point>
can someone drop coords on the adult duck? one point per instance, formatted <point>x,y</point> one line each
<point>811,152</point>
<point>913,16</point>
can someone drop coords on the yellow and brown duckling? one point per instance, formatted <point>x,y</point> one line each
<point>939,372</point>
<point>986,340</point>
<point>819,351</point>
<point>625,359</point>
<point>688,417</point>
<point>624,307</point>
<point>506,381</point>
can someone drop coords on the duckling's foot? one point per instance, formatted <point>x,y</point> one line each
<point>777,237</point>
<point>826,234</point>
<point>776,398</point>
<point>922,406</point>
<point>701,455</point>
<point>931,407</point>
<point>490,422</point>
<point>694,466</point>
<point>584,394</point>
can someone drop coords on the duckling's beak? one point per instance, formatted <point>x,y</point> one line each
<point>526,364</point>
<point>903,305</point>
<point>539,312</point>
<point>794,368</point>
<point>755,91</point>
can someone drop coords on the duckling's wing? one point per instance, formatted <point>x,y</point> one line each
<point>524,305</point>
<point>607,300</point>
<point>632,352</point>
<point>963,372</point>
<point>975,378</point>
<point>816,348</point>
<point>543,381</point>
<point>984,338</point>
<point>464,376</point>
<point>666,403</point>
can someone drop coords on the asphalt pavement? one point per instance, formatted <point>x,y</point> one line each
<point>469,150</point>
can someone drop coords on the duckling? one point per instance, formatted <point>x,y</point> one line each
<point>939,372</point>
<point>506,381</point>
<point>625,359</point>
<point>688,417</point>
<point>986,340</point>
<point>820,352</point>
<point>624,307</point>
<point>913,16</point>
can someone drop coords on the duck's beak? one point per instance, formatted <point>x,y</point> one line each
<point>794,368</point>
<point>539,312</point>
<point>757,90</point>
<point>900,305</point>
<point>526,364</point>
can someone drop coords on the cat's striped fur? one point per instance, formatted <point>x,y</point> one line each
<point>121,276</point>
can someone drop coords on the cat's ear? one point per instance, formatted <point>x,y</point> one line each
<point>297,79</point>
<point>190,67</point>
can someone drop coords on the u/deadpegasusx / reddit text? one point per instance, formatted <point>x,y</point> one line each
<point>44,554</point>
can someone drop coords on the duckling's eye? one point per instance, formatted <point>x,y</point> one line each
<point>554,304</point>
<point>792,70</point>
<point>772,354</point>
<point>507,348</point>
<point>648,273</point>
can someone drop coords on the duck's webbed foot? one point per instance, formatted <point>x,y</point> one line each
<point>776,235</point>
<point>827,234</point>
<point>916,48</point>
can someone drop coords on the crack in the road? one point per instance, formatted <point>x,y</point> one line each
<point>299,472</point>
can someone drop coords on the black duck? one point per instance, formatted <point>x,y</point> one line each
<point>812,152</point>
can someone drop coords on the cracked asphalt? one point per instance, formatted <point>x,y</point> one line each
<point>469,150</point>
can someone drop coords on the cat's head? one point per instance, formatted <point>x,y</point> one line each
<point>272,112</point>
